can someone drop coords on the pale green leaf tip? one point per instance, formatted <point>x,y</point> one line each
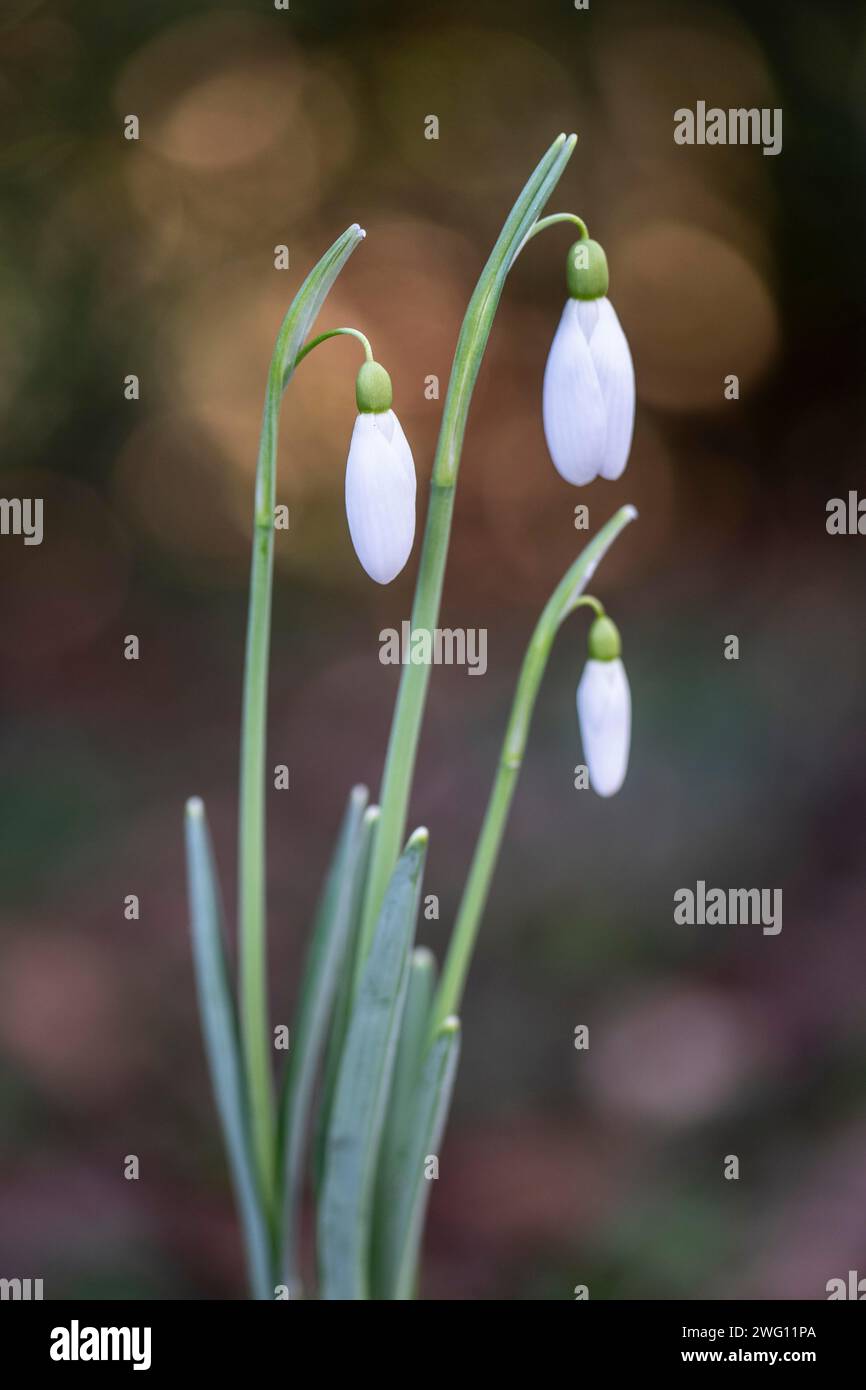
<point>419,838</point>
<point>422,958</point>
<point>359,231</point>
<point>448,1026</point>
<point>359,792</point>
<point>195,808</point>
<point>630,512</point>
<point>372,814</point>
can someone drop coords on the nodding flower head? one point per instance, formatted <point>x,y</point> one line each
<point>589,392</point>
<point>380,480</point>
<point>604,710</point>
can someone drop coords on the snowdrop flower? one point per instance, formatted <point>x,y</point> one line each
<point>604,710</point>
<point>588,398</point>
<point>380,480</point>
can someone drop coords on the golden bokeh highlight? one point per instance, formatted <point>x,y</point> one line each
<point>695,311</point>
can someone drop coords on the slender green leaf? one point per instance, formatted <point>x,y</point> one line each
<point>220,1029</point>
<point>363,1085</point>
<point>471,346</point>
<point>252,904</point>
<point>326,962</point>
<point>410,1192</point>
<point>397,1136</point>
<point>306,304</point>
<point>340,1019</point>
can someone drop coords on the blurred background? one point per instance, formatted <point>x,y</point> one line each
<point>156,257</point>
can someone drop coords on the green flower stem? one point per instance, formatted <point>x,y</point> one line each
<point>564,600</point>
<point>552,221</point>
<point>255,1031</point>
<point>589,601</point>
<point>406,725</point>
<point>334,333</point>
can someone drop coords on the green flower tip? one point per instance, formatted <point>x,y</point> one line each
<point>373,389</point>
<point>451,1024</point>
<point>604,640</point>
<point>586,270</point>
<point>419,838</point>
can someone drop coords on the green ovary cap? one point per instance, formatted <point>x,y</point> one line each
<point>586,270</point>
<point>373,389</point>
<point>604,640</point>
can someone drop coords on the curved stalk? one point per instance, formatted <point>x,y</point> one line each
<point>566,597</point>
<point>323,338</point>
<point>552,221</point>
<point>251,833</point>
<point>406,724</point>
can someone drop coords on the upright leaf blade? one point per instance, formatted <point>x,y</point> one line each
<point>220,1030</point>
<point>326,962</point>
<point>343,1002</point>
<point>363,1085</point>
<point>409,1189</point>
<point>397,1136</point>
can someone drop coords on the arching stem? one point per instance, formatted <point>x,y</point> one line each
<point>252,916</point>
<point>334,333</point>
<point>564,600</point>
<point>408,714</point>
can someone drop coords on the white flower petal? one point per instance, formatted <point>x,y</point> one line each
<point>384,421</point>
<point>604,712</point>
<point>612,360</point>
<point>400,445</point>
<point>380,497</point>
<point>575,418</point>
<point>586,313</point>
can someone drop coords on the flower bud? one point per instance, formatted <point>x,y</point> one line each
<point>373,388</point>
<point>589,392</point>
<point>586,270</point>
<point>380,489</point>
<point>605,643</point>
<point>604,714</point>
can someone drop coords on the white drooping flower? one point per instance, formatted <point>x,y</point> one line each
<point>589,388</point>
<point>380,492</point>
<point>604,713</point>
